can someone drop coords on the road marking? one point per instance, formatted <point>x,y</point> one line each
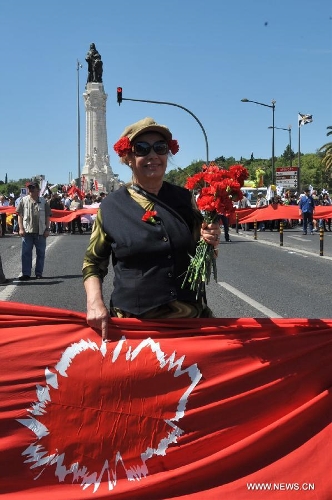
<point>285,248</point>
<point>8,290</point>
<point>249,300</point>
<point>300,238</point>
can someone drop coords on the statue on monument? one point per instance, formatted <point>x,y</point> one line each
<point>95,65</point>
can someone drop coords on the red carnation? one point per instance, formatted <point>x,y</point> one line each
<point>149,216</point>
<point>122,147</point>
<point>173,146</point>
<point>218,189</point>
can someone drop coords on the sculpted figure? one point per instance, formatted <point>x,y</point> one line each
<point>95,65</point>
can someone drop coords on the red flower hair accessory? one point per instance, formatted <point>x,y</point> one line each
<point>173,146</point>
<point>122,147</point>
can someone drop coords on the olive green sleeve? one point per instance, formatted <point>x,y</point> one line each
<point>97,255</point>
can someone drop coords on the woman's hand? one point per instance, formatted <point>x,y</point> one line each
<point>97,314</point>
<point>211,233</point>
<point>97,317</point>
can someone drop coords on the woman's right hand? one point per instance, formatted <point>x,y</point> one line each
<point>97,317</point>
<point>97,314</point>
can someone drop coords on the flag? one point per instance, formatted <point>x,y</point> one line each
<point>174,409</point>
<point>304,119</point>
<point>75,190</point>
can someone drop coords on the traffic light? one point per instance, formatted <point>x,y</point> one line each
<point>119,95</point>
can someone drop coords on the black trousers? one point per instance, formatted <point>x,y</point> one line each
<point>225,223</point>
<point>75,222</point>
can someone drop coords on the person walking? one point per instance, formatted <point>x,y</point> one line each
<point>33,221</point>
<point>244,203</point>
<point>3,279</point>
<point>307,210</point>
<point>326,202</point>
<point>76,204</point>
<point>225,224</point>
<point>261,203</point>
<point>3,203</point>
<point>55,203</point>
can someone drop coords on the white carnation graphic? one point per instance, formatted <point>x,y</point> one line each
<point>104,411</point>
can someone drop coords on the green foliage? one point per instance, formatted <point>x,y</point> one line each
<point>13,187</point>
<point>179,176</point>
<point>326,149</point>
<point>313,170</point>
<point>288,155</point>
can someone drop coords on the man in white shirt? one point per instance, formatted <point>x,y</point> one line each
<point>33,222</point>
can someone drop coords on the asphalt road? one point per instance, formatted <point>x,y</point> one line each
<point>256,278</point>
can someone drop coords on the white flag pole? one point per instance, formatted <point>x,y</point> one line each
<point>299,160</point>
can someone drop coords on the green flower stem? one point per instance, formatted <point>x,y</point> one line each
<point>202,263</point>
<point>200,267</point>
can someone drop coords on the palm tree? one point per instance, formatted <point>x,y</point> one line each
<point>327,150</point>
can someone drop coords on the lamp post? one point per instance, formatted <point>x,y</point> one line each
<point>272,106</point>
<point>289,130</point>
<point>78,66</point>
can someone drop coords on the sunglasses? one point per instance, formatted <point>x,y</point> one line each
<point>144,148</point>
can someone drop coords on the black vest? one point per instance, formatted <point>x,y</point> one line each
<point>149,260</point>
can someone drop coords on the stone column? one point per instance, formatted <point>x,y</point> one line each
<point>97,164</point>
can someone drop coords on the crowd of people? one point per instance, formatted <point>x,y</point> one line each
<point>56,201</point>
<point>31,220</point>
<point>306,201</point>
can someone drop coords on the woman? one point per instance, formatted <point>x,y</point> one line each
<point>150,228</point>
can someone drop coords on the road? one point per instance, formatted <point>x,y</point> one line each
<point>256,278</point>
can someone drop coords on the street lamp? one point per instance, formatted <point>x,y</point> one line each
<point>120,99</point>
<point>289,130</point>
<point>78,66</point>
<point>272,106</point>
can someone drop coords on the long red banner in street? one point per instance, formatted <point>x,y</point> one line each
<point>174,409</point>
<point>271,212</point>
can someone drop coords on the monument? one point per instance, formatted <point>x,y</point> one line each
<point>97,173</point>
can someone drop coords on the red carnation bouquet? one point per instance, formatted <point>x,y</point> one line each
<point>217,190</point>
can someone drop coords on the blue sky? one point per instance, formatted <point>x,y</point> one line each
<point>201,54</point>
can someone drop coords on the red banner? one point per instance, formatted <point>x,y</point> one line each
<point>276,212</point>
<point>60,215</point>
<point>271,212</point>
<point>173,409</point>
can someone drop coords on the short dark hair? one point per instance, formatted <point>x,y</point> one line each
<point>33,185</point>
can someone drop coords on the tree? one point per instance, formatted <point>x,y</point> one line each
<point>288,155</point>
<point>220,161</point>
<point>13,187</point>
<point>179,176</point>
<point>327,151</point>
<point>311,170</point>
